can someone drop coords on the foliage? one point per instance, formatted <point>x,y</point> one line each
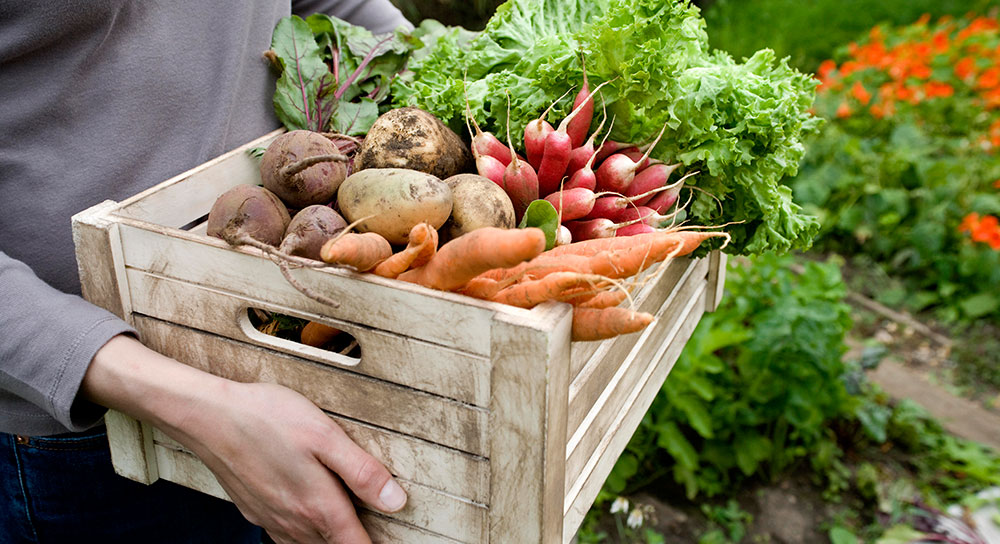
<point>755,387</point>
<point>806,32</point>
<point>911,152</point>
<point>739,124</point>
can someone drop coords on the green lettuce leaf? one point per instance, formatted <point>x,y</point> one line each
<point>740,125</point>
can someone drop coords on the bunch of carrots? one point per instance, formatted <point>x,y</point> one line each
<point>511,266</point>
<point>611,189</point>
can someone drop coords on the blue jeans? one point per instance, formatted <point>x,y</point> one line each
<point>61,489</point>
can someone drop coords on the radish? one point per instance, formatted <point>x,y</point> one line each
<point>588,229</point>
<point>485,143</point>
<point>585,177</point>
<point>520,181</point>
<point>609,207</point>
<point>535,133</point>
<point>574,203</point>
<point>661,202</point>
<point>490,167</point>
<point>649,179</point>
<point>633,229</point>
<point>582,155</point>
<point>611,147</point>
<point>642,161</point>
<point>579,126</point>
<point>648,216</point>
<point>617,171</point>
<point>555,152</point>
<point>563,236</point>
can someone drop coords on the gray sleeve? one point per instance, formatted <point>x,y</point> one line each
<point>48,340</point>
<point>379,16</point>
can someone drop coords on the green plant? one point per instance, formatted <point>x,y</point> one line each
<point>728,523</point>
<point>754,389</point>
<point>906,171</point>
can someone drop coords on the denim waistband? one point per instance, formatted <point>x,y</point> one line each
<point>95,437</point>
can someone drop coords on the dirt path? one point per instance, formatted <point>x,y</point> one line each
<point>959,416</point>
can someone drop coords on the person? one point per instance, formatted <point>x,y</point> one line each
<point>100,100</point>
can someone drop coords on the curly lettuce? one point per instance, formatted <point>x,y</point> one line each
<point>740,125</point>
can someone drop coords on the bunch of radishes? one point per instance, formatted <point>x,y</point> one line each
<point>613,189</point>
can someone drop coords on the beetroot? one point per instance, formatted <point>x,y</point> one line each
<point>311,227</point>
<point>248,212</point>
<point>303,168</point>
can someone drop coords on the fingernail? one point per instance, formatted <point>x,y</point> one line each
<point>392,496</point>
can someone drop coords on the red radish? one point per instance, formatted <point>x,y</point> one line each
<point>588,229</point>
<point>578,127</point>
<point>535,133</point>
<point>490,167</point>
<point>520,181</point>
<point>563,236</point>
<point>633,229</point>
<point>648,215</point>
<point>555,152</point>
<point>642,160</point>
<point>617,171</point>
<point>484,143</point>
<point>573,203</point>
<point>611,147</point>
<point>582,155</point>
<point>649,179</point>
<point>610,207</point>
<point>661,202</point>
<point>585,176</point>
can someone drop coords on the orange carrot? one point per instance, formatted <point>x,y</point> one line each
<point>601,323</point>
<point>473,253</point>
<point>601,299</point>
<point>422,245</point>
<point>362,251</point>
<point>317,334</point>
<point>529,294</point>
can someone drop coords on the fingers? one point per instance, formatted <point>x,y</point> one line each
<point>362,473</point>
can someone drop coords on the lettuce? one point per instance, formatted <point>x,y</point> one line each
<point>741,125</point>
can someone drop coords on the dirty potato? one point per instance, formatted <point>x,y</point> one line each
<point>392,200</point>
<point>412,138</point>
<point>477,203</point>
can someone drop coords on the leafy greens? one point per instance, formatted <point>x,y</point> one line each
<point>740,125</point>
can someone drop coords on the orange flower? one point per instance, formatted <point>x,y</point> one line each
<point>940,42</point>
<point>969,222</point>
<point>965,68</point>
<point>996,184</point>
<point>989,79</point>
<point>825,68</point>
<point>920,71</point>
<point>843,110</point>
<point>906,93</point>
<point>987,231</point>
<point>860,93</point>
<point>938,89</point>
<point>923,20</point>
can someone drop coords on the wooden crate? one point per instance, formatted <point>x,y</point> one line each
<point>499,428</point>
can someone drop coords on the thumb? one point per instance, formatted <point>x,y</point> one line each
<point>362,473</point>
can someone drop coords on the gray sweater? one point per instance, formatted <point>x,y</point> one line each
<point>100,99</point>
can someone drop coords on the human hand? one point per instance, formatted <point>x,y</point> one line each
<point>282,461</point>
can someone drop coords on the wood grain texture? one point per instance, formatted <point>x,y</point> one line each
<point>527,425</point>
<point>378,403</point>
<point>398,359</point>
<point>595,471</point>
<point>717,261</point>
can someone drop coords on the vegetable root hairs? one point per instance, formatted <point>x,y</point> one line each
<point>291,169</point>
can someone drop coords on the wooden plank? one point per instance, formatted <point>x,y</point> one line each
<point>189,195</point>
<point>584,490</point>
<point>430,417</point>
<point>594,378</point>
<point>655,291</point>
<point>716,280</point>
<point>131,447</point>
<point>631,375</point>
<point>419,461</point>
<point>398,359</point>
<point>384,530</point>
<point>527,425</point>
<point>406,309</point>
<point>449,516</point>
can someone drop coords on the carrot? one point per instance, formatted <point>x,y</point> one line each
<point>529,294</point>
<point>600,323</point>
<point>317,334</point>
<point>473,253</point>
<point>654,244</point>
<point>362,251</point>
<point>602,299</point>
<point>422,245</point>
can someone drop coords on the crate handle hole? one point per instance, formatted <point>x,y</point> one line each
<point>286,332</point>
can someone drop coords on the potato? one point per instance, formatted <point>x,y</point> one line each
<point>478,202</point>
<point>396,198</point>
<point>412,138</point>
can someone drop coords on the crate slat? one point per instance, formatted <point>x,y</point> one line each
<point>397,359</point>
<point>446,515</point>
<point>436,419</point>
